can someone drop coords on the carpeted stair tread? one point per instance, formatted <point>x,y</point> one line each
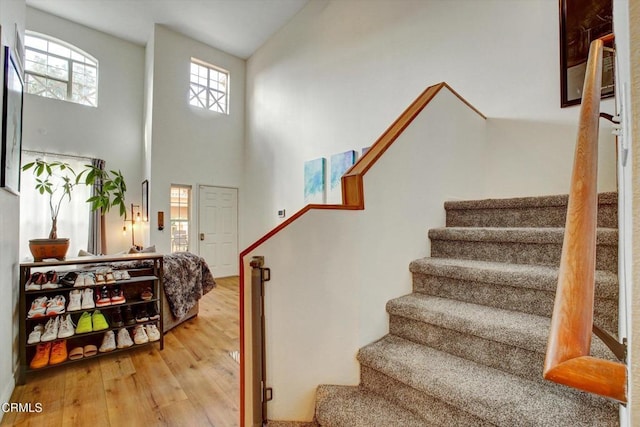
<point>539,277</point>
<point>522,330</point>
<point>352,406</point>
<point>610,198</point>
<point>546,211</point>
<point>490,394</point>
<point>605,236</point>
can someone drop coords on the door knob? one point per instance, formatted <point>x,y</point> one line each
<point>201,236</point>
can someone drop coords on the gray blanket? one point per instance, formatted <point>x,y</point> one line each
<point>186,279</point>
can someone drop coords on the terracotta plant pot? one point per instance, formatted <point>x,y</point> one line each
<point>48,248</point>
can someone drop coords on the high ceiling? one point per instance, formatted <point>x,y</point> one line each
<point>238,27</point>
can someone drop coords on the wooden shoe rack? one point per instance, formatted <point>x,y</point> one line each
<point>145,271</point>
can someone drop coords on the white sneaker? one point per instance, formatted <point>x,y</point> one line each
<point>124,339</point>
<point>79,283</point>
<point>108,342</point>
<point>51,330</point>
<point>87,299</point>
<point>38,307</point>
<point>67,328</point>
<point>89,279</point>
<point>152,332</point>
<point>139,335</point>
<point>56,305</point>
<point>34,336</point>
<point>75,297</point>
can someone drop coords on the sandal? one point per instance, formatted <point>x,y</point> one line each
<point>76,353</point>
<point>90,350</point>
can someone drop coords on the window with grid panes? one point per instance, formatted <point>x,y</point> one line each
<point>209,87</point>
<point>55,69</point>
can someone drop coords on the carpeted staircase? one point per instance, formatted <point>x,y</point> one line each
<point>466,348</point>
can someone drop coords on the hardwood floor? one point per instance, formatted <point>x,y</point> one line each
<point>192,382</point>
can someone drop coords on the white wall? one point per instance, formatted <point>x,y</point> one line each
<point>341,71</point>
<point>191,146</point>
<point>334,271</point>
<point>112,131</point>
<point>11,14</point>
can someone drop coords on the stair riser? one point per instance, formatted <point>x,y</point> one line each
<point>552,216</point>
<point>525,300</point>
<point>434,411</point>
<point>514,360</point>
<point>517,253</point>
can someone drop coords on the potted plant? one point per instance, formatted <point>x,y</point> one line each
<point>56,180</point>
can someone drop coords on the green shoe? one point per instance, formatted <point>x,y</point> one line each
<point>99,322</point>
<point>84,324</point>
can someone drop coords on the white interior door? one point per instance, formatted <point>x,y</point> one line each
<point>218,229</point>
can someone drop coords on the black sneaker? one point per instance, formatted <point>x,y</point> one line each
<point>128,316</point>
<point>69,279</point>
<point>104,297</point>
<point>116,318</point>
<point>142,315</point>
<point>153,313</point>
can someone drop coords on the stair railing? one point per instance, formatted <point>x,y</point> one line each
<point>567,360</point>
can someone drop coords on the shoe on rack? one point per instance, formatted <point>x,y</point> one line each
<point>116,318</point>
<point>41,358</point>
<point>58,352</point>
<point>79,282</point>
<point>104,297</point>
<point>139,335</point>
<point>90,350</point>
<point>152,311</point>
<point>35,282</point>
<point>51,280</point>
<point>100,280</point>
<point>117,297</point>
<point>38,307</point>
<point>76,353</point>
<point>124,339</point>
<point>67,328</point>
<point>128,316</point>
<point>152,332</point>
<point>108,342</point>
<point>75,298</point>
<point>125,275</point>
<point>89,279</point>
<point>108,277</point>
<point>69,279</point>
<point>51,329</point>
<point>34,336</point>
<point>142,315</point>
<point>99,322</point>
<point>87,299</point>
<point>84,323</point>
<point>56,305</point>
<point>146,295</point>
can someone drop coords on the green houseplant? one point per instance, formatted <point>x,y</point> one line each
<point>56,180</point>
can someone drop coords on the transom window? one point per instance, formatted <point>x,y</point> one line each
<point>55,69</point>
<point>209,88</point>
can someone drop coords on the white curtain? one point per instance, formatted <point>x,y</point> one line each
<point>35,215</point>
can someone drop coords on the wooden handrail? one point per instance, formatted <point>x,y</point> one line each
<point>352,199</point>
<point>567,360</point>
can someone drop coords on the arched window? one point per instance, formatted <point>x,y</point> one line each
<point>55,69</point>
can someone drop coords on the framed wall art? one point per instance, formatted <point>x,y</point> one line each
<point>581,22</point>
<point>11,124</point>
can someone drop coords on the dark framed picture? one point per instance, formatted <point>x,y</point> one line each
<point>11,124</point>
<point>145,200</point>
<point>581,22</point>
